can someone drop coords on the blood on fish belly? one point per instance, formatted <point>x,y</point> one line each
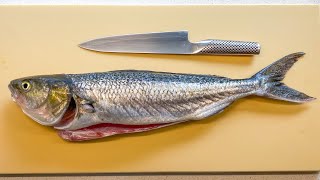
<point>106,129</point>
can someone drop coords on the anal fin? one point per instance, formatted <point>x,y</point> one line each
<point>211,110</point>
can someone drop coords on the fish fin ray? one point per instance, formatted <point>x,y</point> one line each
<point>210,110</point>
<point>270,81</point>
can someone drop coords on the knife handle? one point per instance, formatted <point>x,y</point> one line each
<point>226,47</point>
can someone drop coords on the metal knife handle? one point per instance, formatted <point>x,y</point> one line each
<point>225,47</point>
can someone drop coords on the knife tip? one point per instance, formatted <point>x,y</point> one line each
<point>83,46</point>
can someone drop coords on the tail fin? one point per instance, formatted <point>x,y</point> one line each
<point>270,81</point>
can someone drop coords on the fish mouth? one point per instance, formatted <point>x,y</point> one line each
<point>14,93</point>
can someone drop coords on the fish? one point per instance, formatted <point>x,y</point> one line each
<point>96,105</point>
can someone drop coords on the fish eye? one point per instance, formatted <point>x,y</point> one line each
<point>25,85</point>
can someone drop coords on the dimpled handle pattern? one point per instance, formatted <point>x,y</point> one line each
<point>230,47</point>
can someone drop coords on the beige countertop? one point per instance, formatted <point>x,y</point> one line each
<point>300,132</point>
<point>205,177</point>
<point>253,134</point>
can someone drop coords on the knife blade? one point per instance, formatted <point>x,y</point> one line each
<point>175,42</point>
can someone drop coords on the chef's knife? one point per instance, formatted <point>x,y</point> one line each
<point>169,43</point>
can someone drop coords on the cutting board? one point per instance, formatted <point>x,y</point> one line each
<point>254,134</point>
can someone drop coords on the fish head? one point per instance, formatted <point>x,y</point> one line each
<point>45,99</point>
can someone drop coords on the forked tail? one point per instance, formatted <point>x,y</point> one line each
<point>270,81</point>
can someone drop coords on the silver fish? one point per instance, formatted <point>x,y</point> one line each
<point>96,105</point>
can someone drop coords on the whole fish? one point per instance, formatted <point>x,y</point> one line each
<point>96,105</point>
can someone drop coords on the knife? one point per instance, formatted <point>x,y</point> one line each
<point>176,42</point>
